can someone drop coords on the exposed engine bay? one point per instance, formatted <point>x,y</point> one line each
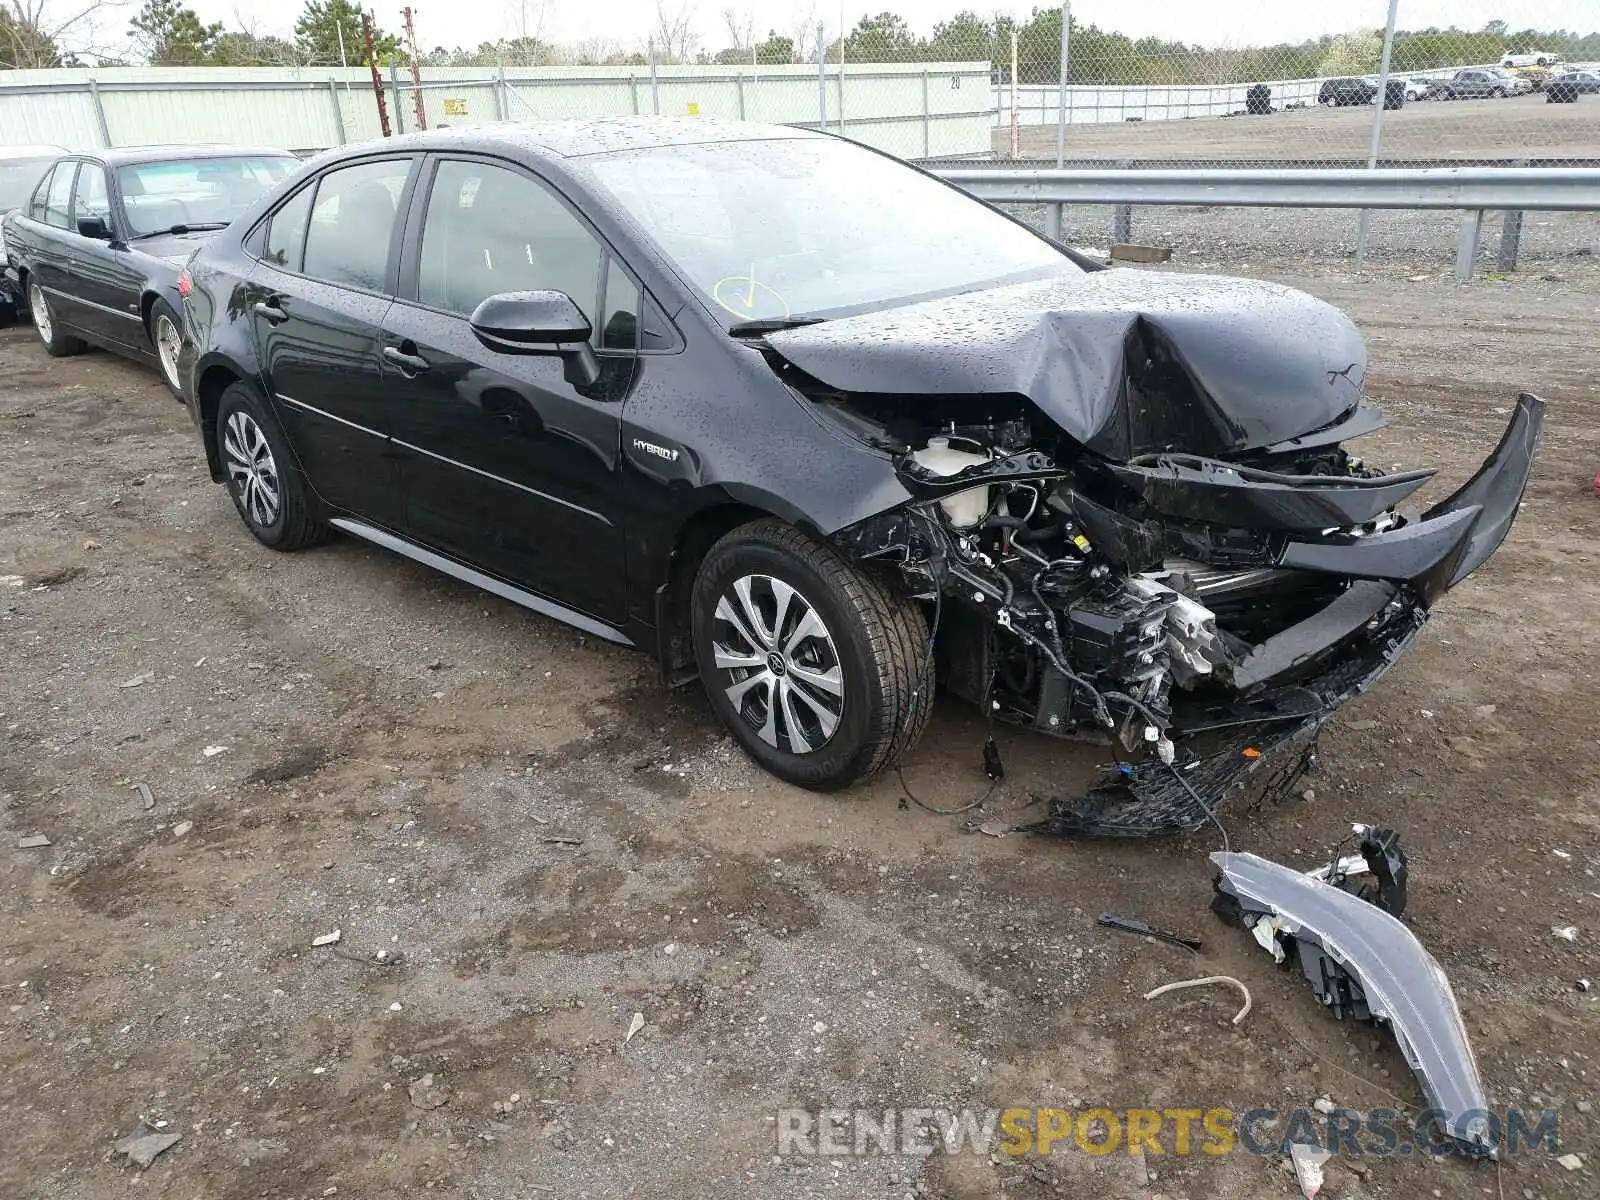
<point>1201,617</point>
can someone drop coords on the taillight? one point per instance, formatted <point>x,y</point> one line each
<point>185,283</point>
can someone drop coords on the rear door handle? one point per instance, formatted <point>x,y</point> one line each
<point>269,312</point>
<point>409,365</point>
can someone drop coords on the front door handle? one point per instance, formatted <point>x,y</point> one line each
<point>409,365</point>
<point>269,312</point>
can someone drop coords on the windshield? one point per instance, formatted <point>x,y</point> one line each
<point>790,228</point>
<point>158,196</point>
<point>18,178</point>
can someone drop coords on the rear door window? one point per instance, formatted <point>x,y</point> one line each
<point>89,198</point>
<point>36,204</point>
<point>58,199</point>
<point>286,232</point>
<point>351,228</point>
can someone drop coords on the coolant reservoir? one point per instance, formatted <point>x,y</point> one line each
<point>964,508</point>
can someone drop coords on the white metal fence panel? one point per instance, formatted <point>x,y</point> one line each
<point>914,110</point>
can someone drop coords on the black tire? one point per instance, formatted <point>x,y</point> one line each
<point>244,426</point>
<point>56,342</point>
<point>876,637</point>
<point>161,311</point>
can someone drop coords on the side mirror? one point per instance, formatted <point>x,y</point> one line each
<point>539,323</point>
<point>94,227</point>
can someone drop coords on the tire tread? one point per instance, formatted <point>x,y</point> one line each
<point>895,629</point>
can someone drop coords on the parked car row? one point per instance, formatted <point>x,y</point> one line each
<point>1471,84</point>
<point>95,250</point>
<point>618,372</point>
<point>21,168</point>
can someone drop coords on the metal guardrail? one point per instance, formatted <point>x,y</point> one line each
<point>1471,189</point>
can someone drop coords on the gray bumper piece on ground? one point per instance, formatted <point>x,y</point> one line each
<point>1398,980</point>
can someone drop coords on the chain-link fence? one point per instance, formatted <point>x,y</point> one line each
<point>1049,85</point>
<point>1012,89</point>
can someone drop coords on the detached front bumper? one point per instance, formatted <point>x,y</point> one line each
<point>1262,738</point>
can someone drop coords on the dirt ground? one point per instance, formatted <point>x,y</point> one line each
<point>1517,127</point>
<point>342,740</point>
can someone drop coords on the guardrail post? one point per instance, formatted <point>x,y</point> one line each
<point>738,80</point>
<point>338,112</point>
<point>633,91</point>
<point>1510,236</point>
<point>1510,241</point>
<point>1122,214</point>
<point>99,112</point>
<point>1467,248</point>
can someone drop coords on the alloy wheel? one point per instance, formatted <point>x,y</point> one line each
<point>779,664</point>
<point>251,469</point>
<point>169,346</point>
<point>41,314</point>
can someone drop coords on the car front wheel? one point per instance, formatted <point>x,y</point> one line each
<point>267,488</point>
<point>819,669</point>
<point>56,343</point>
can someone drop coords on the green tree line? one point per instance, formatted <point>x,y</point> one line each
<point>165,33</point>
<point>1105,57</point>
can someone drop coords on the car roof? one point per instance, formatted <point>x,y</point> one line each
<point>124,156</point>
<point>10,152</point>
<point>575,139</point>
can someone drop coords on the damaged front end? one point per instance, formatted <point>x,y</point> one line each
<point>1203,614</point>
<point>1361,962</point>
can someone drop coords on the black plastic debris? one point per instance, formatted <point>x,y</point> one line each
<point>1134,925</point>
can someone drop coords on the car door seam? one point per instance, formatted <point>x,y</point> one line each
<point>521,487</point>
<point>311,408</point>
<point>105,308</point>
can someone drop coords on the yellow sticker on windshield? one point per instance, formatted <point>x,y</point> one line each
<point>746,297</point>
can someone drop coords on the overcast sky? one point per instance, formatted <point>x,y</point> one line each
<point>454,23</point>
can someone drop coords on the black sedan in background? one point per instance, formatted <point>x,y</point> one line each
<point>1345,90</point>
<point>815,426</point>
<point>96,248</point>
<point>1567,87</point>
<point>20,170</point>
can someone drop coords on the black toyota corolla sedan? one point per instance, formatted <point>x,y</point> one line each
<point>97,250</point>
<point>817,428</point>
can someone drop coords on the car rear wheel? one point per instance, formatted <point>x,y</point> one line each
<point>267,489</point>
<point>56,343</point>
<point>167,337</point>
<point>818,669</point>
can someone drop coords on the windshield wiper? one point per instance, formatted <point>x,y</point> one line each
<point>771,325</point>
<point>199,227</point>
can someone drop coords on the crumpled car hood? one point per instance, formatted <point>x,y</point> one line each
<point>1126,362</point>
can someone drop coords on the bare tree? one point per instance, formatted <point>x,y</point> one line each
<point>528,21</point>
<point>803,31</point>
<point>741,31</point>
<point>674,31</point>
<point>46,33</point>
<point>594,51</point>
